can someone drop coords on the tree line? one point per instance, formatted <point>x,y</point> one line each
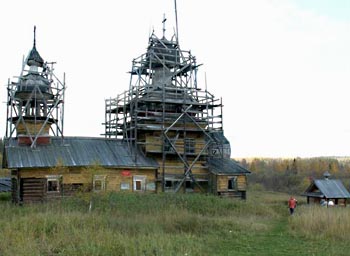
<point>294,175</point>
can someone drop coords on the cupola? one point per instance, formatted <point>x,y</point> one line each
<point>35,101</point>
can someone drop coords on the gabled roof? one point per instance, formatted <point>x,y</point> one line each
<point>226,166</point>
<point>327,188</point>
<point>74,151</point>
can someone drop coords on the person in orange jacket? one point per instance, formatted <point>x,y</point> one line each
<point>292,203</point>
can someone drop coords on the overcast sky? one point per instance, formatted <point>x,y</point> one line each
<point>280,66</point>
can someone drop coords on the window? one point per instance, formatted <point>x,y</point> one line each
<point>168,184</point>
<point>167,146</point>
<point>53,186</point>
<point>151,186</point>
<point>124,186</point>
<point>190,146</point>
<point>189,186</point>
<point>139,183</point>
<point>171,184</point>
<point>74,187</point>
<point>99,183</point>
<point>53,183</point>
<point>232,183</point>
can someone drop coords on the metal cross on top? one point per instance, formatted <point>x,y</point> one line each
<point>34,44</point>
<point>164,20</point>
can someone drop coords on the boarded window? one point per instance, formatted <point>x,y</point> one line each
<point>99,183</point>
<point>151,186</point>
<point>124,186</point>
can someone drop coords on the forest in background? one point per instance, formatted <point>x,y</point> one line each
<point>294,175</point>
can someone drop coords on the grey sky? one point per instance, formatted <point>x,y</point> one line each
<point>281,67</point>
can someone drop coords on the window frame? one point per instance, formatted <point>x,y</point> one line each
<point>232,183</point>
<point>53,178</point>
<point>99,178</point>
<point>190,146</point>
<point>189,186</point>
<point>139,178</point>
<point>124,186</point>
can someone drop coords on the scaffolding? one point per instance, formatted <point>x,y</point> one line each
<point>167,115</point>
<point>35,102</point>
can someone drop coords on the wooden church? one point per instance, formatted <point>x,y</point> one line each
<point>163,134</point>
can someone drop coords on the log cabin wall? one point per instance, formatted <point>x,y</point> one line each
<point>188,145</point>
<point>154,143</point>
<point>231,185</point>
<point>33,128</point>
<point>62,168</point>
<point>44,184</point>
<point>214,184</point>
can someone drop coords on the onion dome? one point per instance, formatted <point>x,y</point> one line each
<point>326,175</point>
<point>35,78</point>
<point>31,80</point>
<point>34,58</point>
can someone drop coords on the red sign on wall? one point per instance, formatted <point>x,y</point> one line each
<point>126,173</point>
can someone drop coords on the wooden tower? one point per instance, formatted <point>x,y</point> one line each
<point>35,103</point>
<point>169,117</point>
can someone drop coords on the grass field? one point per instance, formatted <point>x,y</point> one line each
<point>168,224</point>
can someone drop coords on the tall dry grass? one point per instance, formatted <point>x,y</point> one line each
<point>322,223</point>
<point>170,224</point>
<point>128,224</point>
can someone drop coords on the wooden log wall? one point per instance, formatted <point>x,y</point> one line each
<point>33,128</point>
<point>154,144</point>
<point>176,166</point>
<point>32,189</point>
<point>222,182</point>
<point>34,181</point>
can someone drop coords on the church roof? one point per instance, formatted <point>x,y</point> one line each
<point>74,152</point>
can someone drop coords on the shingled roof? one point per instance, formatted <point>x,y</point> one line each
<point>74,151</point>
